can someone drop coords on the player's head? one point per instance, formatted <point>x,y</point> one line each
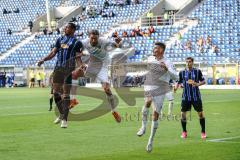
<point>159,49</point>
<point>70,29</point>
<point>189,62</point>
<point>93,36</point>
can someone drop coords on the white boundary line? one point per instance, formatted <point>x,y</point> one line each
<point>224,139</point>
<point>21,114</point>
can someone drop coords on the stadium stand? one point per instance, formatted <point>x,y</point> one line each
<point>218,20</point>
<point>40,46</point>
<point>28,11</point>
<point>15,16</point>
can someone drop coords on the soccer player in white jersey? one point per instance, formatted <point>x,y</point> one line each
<point>97,67</point>
<point>156,86</point>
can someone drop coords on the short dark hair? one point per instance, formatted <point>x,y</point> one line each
<point>72,25</point>
<point>160,44</point>
<point>93,32</point>
<point>191,58</point>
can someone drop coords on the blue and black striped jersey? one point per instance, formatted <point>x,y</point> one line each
<point>189,92</point>
<point>67,46</point>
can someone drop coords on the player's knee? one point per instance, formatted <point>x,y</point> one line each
<point>145,111</point>
<point>200,114</point>
<point>148,103</point>
<point>56,95</point>
<point>183,116</point>
<point>155,115</point>
<point>107,91</point>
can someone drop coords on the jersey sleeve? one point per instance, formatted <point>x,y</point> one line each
<point>200,76</point>
<point>58,43</point>
<point>78,47</point>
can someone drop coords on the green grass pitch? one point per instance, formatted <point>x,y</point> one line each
<point>27,131</point>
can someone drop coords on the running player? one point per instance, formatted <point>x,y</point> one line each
<point>156,86</point>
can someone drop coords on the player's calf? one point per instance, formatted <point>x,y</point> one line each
<point>184,125</point>
<point>145,113</point>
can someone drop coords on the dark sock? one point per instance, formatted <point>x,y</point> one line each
<point>50,102</point>
<point>202,123</point>
<point>65,106</point>
<point>184,124</point>
<point>58,101</point>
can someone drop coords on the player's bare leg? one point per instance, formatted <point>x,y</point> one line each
<point>202,123</point>
<point>111,102</point>
<point>145,112</point>
<point>184,124</point>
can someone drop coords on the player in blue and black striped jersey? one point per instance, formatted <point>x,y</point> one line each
<point>190,79</point>
<point>68,50</point>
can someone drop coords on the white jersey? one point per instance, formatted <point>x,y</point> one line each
<point>99,59</point>
<point>157,78</point>
<point>99,52</point>
<point>102,55</point>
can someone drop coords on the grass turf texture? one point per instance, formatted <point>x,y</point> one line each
<point>27,130</point>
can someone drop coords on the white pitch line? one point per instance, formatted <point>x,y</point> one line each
<point>21,114</point>
<point>216,113</point>
<point>223,139</point>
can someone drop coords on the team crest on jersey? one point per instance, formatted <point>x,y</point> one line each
<point>64,46</point>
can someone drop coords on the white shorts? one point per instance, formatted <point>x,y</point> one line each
<point>101,76</point>
<point>157,102</point>
<point>169,96</point>
<point>74,82</point>
<point>149,87</point>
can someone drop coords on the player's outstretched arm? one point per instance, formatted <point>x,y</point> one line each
<point>48,57</point>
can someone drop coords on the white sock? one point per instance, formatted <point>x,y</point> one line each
<point>72,96</point>
<point>153,131</point>
<point>170,107</point>
<point>111,102</point>
<point>145,112</point>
